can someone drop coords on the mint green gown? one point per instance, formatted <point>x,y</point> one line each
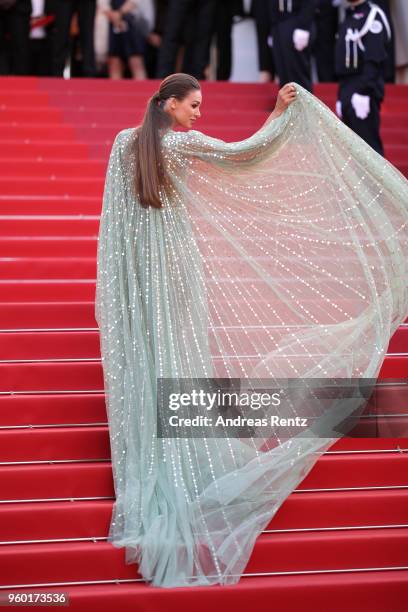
<point>284,255</point>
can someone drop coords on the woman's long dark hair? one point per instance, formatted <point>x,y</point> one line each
<point>151,174</point>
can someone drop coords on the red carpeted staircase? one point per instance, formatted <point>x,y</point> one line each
<point>339,542</point>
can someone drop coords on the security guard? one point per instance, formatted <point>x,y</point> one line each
<point>361,54</point>
<point>292,35</point>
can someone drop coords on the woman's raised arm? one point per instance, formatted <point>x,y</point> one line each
<point>196,144</point>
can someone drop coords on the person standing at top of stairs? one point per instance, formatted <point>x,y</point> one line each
<point>64,9</point>
<point>293,32</point>
<point>361,55</point>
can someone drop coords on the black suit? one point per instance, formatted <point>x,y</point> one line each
<point>14,54</point>
<point>199,16</point>
<point>64,9</point>
<point>225,13</point>
<point>327,20</point>
<point>260,12</point>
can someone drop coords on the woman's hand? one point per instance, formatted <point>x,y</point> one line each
<point>114,17</point>
<point>286,95</point>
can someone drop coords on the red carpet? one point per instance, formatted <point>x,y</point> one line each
<point>339,542</point>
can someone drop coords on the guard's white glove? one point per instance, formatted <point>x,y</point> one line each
<point>361,105</point>
<point>300,39</point>
<point>269,41</point>
<point>338,109</point>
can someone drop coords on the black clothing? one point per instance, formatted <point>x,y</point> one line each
<point>368,129</point>
<point>327,20</point>
<point>224,17</point>
<point>14,39</point>
<point>190,22</point>
<point>360,65</point>
<point>260,12</point>
<point>152,51</point>
<point>300,12</point>
<point>130,42</point>
<point>291,64</point>
<point>64,9</point>
<point>361,55</point>
<point>390,45</point>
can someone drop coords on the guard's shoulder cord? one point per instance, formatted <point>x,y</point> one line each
<point>355,36</point>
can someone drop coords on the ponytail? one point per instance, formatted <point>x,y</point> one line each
<point>151,176</point>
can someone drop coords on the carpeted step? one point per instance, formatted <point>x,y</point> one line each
<point>93,479</point>
<point>55,246</point>
<point>52,169</point>
<point>46,290</point>
<point>48,226</point>
<point>317,511</point>
<point>47,408</point>
<point>92,442</point>
<point>48,205</point>
<point>56,187</point>
<point>48,267</point>
<point>47,315</point>
<point>36,131</point>
<point>345,550</point>
<point>372,591</point>
<point>44,149</point>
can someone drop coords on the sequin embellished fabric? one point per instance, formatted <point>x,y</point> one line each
<point>283,255</point>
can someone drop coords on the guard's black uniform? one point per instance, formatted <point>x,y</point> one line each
<point>285,17</point>
<point>361,53</point>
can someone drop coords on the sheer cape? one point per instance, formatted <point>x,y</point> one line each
<point>280,256</point>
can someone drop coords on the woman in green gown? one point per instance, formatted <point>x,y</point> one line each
<point>282,256</point>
